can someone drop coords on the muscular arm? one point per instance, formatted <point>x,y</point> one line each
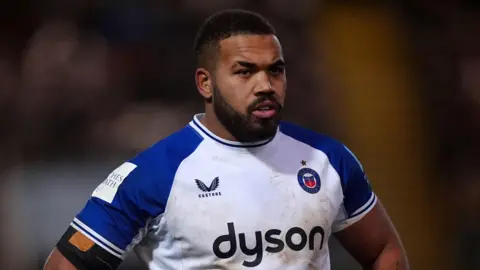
<point>75,251</point>
<point>56,261</point>
<point>374,242</point>
<point>363,226</point>
<point>109,223</point>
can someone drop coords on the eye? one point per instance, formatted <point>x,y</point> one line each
<point>244,72</point>
<point>277,70</point>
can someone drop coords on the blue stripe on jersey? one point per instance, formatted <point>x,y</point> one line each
<point>143,194</point>
<point>356,189</point>
<point>366,207</point>
<point>103,243</point>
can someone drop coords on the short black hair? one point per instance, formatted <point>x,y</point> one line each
<point>223,25</point>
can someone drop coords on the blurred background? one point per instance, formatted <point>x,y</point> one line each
<point>85,85</point>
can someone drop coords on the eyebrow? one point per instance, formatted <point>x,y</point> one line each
<point>278,63</point>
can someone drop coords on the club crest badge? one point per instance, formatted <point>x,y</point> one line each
<point>309,180</point>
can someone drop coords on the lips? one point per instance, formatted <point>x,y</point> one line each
<point>265,109</point>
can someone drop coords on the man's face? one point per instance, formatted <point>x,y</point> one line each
<point>249,86</point>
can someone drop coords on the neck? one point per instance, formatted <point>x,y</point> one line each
<point>211,122</point>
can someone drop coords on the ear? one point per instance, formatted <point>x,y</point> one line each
<point>204,82</point>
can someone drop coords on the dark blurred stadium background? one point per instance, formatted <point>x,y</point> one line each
<point>87,84</point>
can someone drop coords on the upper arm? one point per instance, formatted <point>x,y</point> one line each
<point>56,261</point>
<point>362,226</point>
<point>118,213</point>
<point>367,239</point>
<point>112,218</point>
<point>358,196</point>
<point>120,207</point>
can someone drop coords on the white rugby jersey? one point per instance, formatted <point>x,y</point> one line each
<point>196,201</point>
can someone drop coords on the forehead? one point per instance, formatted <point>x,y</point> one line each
<point>258,49</point>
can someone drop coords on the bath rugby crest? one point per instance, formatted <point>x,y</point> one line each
<point>309,180</point>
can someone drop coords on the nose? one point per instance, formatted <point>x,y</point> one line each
<point>263,84</point>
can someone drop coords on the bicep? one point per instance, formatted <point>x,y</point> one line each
<point>368,237</point>
<point>118,209</point>
<point>359,198</point>
<point>362,225</point>
<point>110,222</point>
<point>56,261</point>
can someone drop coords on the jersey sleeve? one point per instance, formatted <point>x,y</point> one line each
<point>120,208</point>
<point>358,198</point>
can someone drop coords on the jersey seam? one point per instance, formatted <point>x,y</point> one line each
<point>174,181</point>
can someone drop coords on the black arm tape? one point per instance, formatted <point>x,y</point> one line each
<point>95,258</point>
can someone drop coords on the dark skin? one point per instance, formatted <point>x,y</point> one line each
<point>56,261</point>
<point>249,66</point>
<point>243,71</point>
<point>374,242</point>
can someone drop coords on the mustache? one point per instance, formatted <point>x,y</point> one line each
<point>262,99</point>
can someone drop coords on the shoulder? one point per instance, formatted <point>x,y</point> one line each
<point>319,141</point>
<point>151,172</point>
<point>168,153</point>
<point>339,155</point>
<point>157,165</point>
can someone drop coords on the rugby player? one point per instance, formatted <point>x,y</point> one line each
<point>236,188</point>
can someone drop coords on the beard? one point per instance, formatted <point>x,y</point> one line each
<point>246,127</point>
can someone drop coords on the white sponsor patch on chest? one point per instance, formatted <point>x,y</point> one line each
<point>107,190</point>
